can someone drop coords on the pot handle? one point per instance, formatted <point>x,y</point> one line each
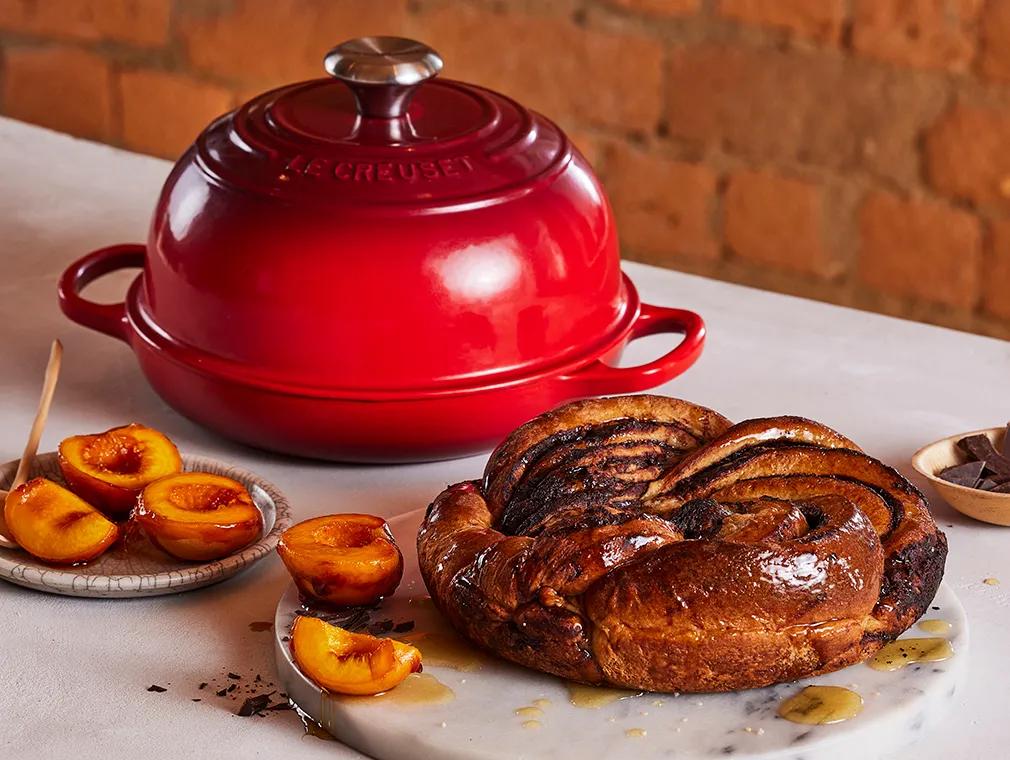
<point>107,318</point>
<point>597,378</point>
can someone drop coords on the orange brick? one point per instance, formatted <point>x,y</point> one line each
<point>996,279</point>
<point>281,41</point>
<point>663,207</point>
<point>61,88</point>
<point>920,249</point>
<point>778,221</point>
<point>815,19</point>
<point>659,7</point>
<point>994,34</point>
<point>967,156</point>
<point>142,22</point>
<point>814,108</point>
<point>163,113</point>
<point>937,34</point>
<point>573,74</point>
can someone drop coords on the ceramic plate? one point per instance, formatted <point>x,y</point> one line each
<point>134,567</point>
<point>469,705</point>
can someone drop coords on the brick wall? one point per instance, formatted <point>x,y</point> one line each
<point>856,151</point>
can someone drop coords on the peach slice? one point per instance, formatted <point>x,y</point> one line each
<point>343,560</point>
<point>109,469</point>
<point>198,515</point>
<point>350,663</point>
<point>56,525</point>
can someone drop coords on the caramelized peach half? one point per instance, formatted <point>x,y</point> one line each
<point>350,663</point>
<point>198,515</point>
<point>56,525</point>
<point>109,469</point>
<point>342,559</point>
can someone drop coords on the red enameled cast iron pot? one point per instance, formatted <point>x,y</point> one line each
<point>379,266</point>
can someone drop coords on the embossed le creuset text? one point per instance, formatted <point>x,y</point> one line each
<point>379,171</point>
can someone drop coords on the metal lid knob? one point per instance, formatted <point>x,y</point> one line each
<point>382,72</point>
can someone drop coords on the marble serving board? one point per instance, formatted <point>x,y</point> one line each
<point>470,705</point>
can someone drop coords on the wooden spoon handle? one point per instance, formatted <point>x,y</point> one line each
<point>48,388</point>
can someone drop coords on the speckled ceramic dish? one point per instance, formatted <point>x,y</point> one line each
<point>134,567</point>
<point>981,505</point>
<point>470,705</point>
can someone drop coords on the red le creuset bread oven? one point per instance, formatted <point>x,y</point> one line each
<point>379,266</point>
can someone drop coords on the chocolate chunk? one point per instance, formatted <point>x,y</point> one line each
<point>980,447</point>
<point>234,676</point>
<point>404,627</point>
<point>381,626</point>
<point>1003,487</point>
<point>985,484</point>
<point>966,474</point>
<point>156,689</point>
<point>254,705</point>
<point>221,693</point>
<point>202,686</point>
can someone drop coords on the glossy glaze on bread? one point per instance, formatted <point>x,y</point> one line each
<point>647,543</point>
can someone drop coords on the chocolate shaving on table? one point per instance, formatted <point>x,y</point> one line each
<point>255,705</point>
<point>156,689</point>
<point>980,447</point>
<point>967,474</point>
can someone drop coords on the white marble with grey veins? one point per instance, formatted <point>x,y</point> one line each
<point>481,721</point>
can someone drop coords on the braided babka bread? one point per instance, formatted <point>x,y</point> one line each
<point>647,543</point>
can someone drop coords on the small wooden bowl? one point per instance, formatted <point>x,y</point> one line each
<point>981,505</point>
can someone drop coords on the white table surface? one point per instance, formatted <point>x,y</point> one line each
<point>75,671</point>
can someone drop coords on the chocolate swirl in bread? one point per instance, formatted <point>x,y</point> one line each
<point>647,543</point>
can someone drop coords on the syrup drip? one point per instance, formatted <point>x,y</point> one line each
<point>820,705</point>
<point>902,652</point>
<point>595,697</point>
<point>936,627</point>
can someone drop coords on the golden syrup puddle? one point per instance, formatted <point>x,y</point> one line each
<point>595,697</point>
<point>529,712</point>
<point>531,724</point>
<point>541,703</point>
<point>935,627</point>
<point>902,652</point>
<point>416,690</point>
<point>419,689</point>
<point>635,733</point>
<point>821,705</point>
<point>446,650</point>
<point>991,581</point>
<point>439,644</point>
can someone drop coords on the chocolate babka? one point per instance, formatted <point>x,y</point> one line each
<point>648,543</point>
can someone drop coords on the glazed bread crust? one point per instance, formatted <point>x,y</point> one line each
<point>647,543</point>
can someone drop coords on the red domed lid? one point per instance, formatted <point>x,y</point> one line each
<point>383,131</point>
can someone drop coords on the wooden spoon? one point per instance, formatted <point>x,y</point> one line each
<point>28,455</point>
